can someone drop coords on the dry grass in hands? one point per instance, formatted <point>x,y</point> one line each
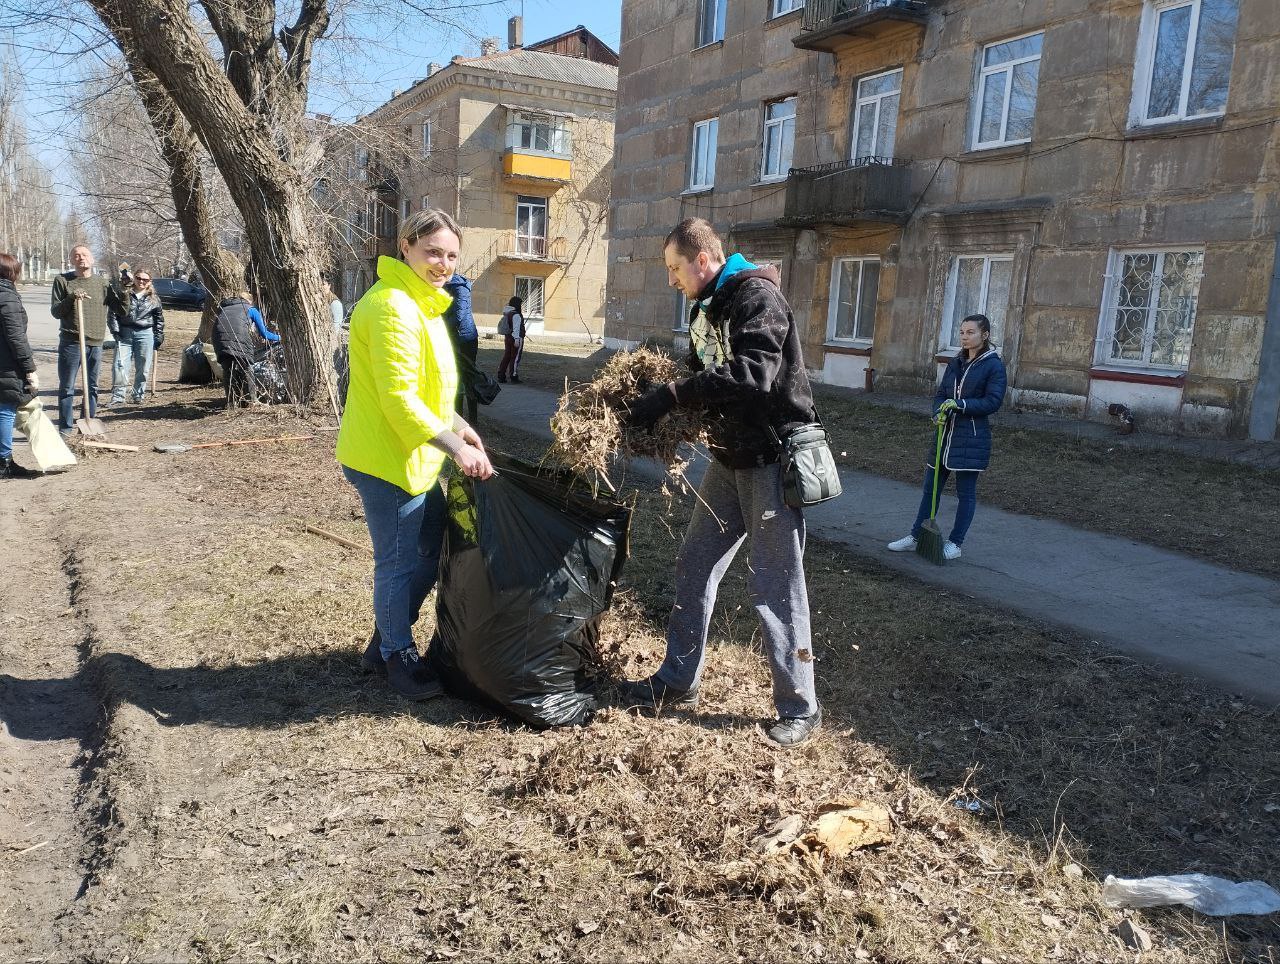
<point>590,432</point>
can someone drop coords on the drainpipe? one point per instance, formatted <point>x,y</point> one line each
<point>1266,394</point>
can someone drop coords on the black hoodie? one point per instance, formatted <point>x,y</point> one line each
<point>763,384</point>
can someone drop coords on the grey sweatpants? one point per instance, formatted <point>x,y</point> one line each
<point>749,503</point>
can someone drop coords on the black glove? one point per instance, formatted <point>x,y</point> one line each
<point>645,411</point>
<point>159,342</point>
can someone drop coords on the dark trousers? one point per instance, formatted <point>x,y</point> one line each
<point>68,372</point>
<point>467,350</point>
<point>966,490</point>
<point>237,380</point>
<point>510,364</point>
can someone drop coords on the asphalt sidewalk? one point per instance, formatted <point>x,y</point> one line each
<point>1157,605</point>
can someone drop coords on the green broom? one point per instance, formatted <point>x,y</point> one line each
<point>929,542</point>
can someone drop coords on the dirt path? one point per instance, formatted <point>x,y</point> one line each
<point>185,722</point>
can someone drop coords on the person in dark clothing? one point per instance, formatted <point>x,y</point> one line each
<point>97,300</point>
<point>18,379</point>
<point>466,341</point>
<point>512,329</point>
<point>233,346</point>
<point>971,389</point>
<point>750,382</point>
<point>138,326</point>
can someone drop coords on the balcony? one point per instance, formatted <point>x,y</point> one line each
<point>382,180</point>
<point>540,167</point>
<point>538,250</point>
<point>866,189</point>
<point>829,24</point>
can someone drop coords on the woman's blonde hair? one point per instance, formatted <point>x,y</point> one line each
<point>422,223</point>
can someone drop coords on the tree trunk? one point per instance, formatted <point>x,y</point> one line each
<point>222,271</point>
<point>249,149</point>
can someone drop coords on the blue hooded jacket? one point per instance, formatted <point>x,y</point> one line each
<point>457,317</point>
<point>978,387</point>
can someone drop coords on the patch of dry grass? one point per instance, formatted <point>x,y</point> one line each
<point>434,831</point>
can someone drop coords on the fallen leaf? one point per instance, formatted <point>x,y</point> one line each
<point>278,831</point>
<point>1134,936</point>
<point>1074,871</point>
<point>585,927</point>
<point>779,837</point>
<point>843,826</point>
<point>804,656</point>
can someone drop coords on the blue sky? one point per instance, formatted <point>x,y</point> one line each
<point>384,48</point>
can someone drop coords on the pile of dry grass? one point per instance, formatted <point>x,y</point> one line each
<point>589,429</point>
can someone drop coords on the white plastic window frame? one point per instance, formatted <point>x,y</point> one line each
<point>953,281</point>
<point>980,88</point>
<point>833,302</point>
<point>781,124</point>
<point>878,100</point>
<point>716,12</point>
<point>1144,64</point>
<point>1102,356</point>
<point>780,8</point>
<point>557,128</point>
<point>710,144</point>
<point>532,202</point>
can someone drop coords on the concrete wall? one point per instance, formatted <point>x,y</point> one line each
<point>1085,184</point>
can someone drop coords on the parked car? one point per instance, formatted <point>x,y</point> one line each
<point>176,293</point>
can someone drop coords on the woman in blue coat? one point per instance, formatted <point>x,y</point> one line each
<point>971,389</point>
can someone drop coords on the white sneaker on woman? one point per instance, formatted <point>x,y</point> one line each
<point>905,544</point>
<point>950,550</point>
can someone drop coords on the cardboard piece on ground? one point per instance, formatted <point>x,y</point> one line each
<point>109,446</point>
<point>47,447</point>
<point>843,826</point>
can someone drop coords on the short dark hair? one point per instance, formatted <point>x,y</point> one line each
<point>694,235</point>
<point>10,268</point>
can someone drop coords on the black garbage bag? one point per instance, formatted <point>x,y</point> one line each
<point>268,376</point>
<point>527,570</point>
<point>195,368</point>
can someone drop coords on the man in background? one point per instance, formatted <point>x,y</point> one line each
<point>97,300</point>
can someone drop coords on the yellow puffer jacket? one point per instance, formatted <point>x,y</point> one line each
<point>403,380</point>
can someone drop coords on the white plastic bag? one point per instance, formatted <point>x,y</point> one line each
<point>1214,896</point>
<point>47,447</point>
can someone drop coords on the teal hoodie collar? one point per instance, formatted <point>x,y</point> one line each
<point>735,265</point>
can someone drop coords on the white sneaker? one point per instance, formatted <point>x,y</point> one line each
<point>905,544</point>
<point>950,550</point>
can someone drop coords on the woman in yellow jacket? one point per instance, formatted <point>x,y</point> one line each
<point>398,428</point>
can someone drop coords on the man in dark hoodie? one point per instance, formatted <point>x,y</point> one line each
<point>750,382</point>
<point>233,346</point>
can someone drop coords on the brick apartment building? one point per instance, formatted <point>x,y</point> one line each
<point>1100,177</point>
<point>517,145</point>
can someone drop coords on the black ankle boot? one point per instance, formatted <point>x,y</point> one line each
<point>9,469</point>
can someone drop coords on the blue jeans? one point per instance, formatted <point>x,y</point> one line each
<point>7,414</point>
<point>966,490</point>
<point>132,345</point>
<point>407,532</point>
<point>68,370</point>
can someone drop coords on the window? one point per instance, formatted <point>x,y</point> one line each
<point>851,312</point>
<point>702,166</point>
<point>979,285</point>
<point>529,291</point>
<point>1006,102</point>
<point>539,133</point>
<point>426,201</point>
<point>779,138</point>
<point>710,21</point>
<point>875,119</point>
<point>405,207</point>
<point>781,7</point>
<point>1183,68</point>
<point>1149,308</point>
<point>531,226</point>
<point>426,138</point>
<point>682,312</point>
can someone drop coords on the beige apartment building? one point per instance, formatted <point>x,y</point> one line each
<point>1100,177</point>
<point>517,145</point>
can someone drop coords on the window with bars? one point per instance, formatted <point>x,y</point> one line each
<point>851,311</point>
<point>1005,106</point>
<point>1183,67</point>
<point>530,291</point>
<point>875,119</point>
<point>702,164</point>
<point>779,138</point>
<point>979,284</point>
<point>1149,308</point>
<point>711,14</point>
<point>531,225</point>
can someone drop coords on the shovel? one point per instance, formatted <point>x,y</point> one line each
<point>175,448</point>
<point>88,427</point>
